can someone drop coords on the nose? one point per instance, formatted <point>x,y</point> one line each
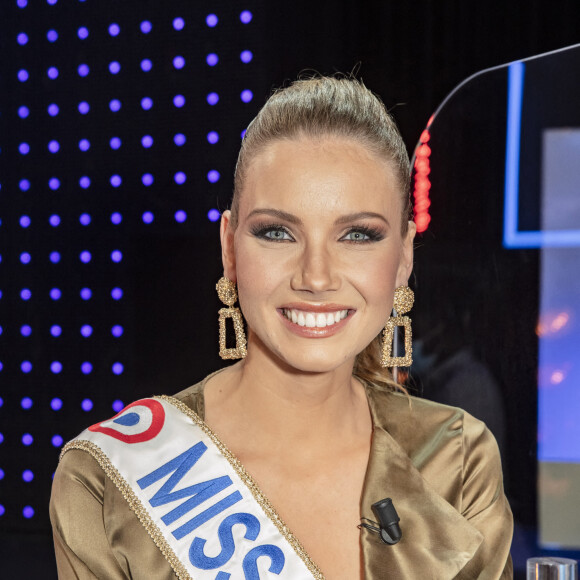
<point>316,270</point>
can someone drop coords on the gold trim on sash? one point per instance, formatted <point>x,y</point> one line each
<point>251,485</point>
<point>133,501</point>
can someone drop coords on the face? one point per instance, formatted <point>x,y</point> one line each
<point>317,252</point>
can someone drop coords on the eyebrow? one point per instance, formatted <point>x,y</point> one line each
<point>291,218</point>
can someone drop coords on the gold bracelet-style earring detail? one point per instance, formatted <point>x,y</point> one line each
<point>403,302</point>
<point>226,290</point>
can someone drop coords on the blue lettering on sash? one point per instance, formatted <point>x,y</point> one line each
<point>273,552</point>
<point>226,540</point>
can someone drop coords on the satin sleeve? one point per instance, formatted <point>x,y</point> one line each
<point>484,504</point>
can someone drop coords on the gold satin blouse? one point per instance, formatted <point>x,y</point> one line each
<point>440,466</point>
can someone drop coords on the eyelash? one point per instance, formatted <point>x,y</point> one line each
<point>261,231</point>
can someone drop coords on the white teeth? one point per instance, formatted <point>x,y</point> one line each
<point>315,319</point>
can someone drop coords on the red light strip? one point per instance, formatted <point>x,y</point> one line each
<point>422,183</point>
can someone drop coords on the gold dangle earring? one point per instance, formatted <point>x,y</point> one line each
<point>226,290</point>
<point>403,302</point>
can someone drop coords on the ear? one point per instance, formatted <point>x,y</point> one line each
<point>406,262</point>
<point>227,240</point>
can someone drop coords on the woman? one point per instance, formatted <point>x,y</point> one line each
<point>308,429</point>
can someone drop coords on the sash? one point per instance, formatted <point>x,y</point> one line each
<point>197,502</point>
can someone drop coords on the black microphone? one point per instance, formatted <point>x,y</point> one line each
<point>389,529</point>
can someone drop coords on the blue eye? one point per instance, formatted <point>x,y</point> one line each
<point>276,234</point>
<point>273,233</point>
<point>357,236</point>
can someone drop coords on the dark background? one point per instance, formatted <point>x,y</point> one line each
<point>410,53</point>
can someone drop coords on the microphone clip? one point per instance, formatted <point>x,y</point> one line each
<point>388,527</point>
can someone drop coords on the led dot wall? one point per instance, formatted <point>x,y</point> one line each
<point>119,126</point>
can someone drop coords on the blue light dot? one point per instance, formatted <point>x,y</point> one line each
<point>22,75</point>
<point>24,221</point>
<point>84,144</point>
<point>117,330</point>
<point>114,67</point>
<point>146,65</point>
<point>246,56</point>
<point>212,59</point>
<point>85,257</point>
<point>116,293</point>
<point>2,508</point>
<point>147,179</point>
<point>87,404</point>
<point>85,219</point>
<point>21,3</point>
<point>83,32</point>
<point>213,137</point>
<point>51,2</point>
<point>117,368</point>
<point>1,401</point>
<point>26,366</point>
<point>27,439</point>
<point>247,96</point>
<point>56,367</point>
<point>213,215</point>
<point>147,217</point>
<point>22,39</point>
<point>178,23</point>
<point>179,139</point>
<point>52,72</point>
<point>56,404</point>
<point>26,403</point>
<point>87,369</point>
<point>147,141</point>
<point>84,108</point>
<point>115,143</point>
<point>211,20</point>
<point>25,330</point>
<point>23,112</point>
<point>28,512</point>
<point>52,36</point>
<point>146,27</point>
<point>53,110</point>
<point>54,257</point>
<point>180,216</point>
<point>116,218</point>
<point>24,185</point>
<point>212,98</point>
<point>83,70</point>
<point>86,293</point>
<point>25,258</point>
<point>54,183</point>
<point>146,103</point>
<point>54,220</point>
<point>55,293</point>
<point>27,475</point>
<point>246,16</point>
<point>116,256</point>
<point>117,406</point>
<point>57,440</point>
<point>179,101</point>
<point>180,177</point>
<point>178,62</point>
<point>115,105</point>
<point>86,330</point>
<point>1,438</point>
<point>53,146</point>
<point>116,180</point>
<point>114,29</point>
<point>1,330</point>
<point>213,176</point>
<point>1,477</point>
<point>84,182</point>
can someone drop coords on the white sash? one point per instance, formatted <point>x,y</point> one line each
<point>202,509</point>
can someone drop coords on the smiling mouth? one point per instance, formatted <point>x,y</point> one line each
<point>314,319</point>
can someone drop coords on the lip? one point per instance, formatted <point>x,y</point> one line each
<point>315,332</point>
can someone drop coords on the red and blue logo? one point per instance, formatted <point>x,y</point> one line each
<point>138,422</point>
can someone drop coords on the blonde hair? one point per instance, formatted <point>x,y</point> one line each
<point>331,106</point>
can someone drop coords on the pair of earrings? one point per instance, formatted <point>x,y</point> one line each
<point>403,302</point>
